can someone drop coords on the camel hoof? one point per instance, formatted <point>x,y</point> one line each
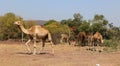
<point>29,53</point>
<point>34,54</point>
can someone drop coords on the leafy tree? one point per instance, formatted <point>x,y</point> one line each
<point>99,23</point>
<point>7,27</point>
<point>77,21</point>
<point>67,22</point>
<point>30,23</point>
<point>78,17</point>
<point>84,27</point>
<point>50,22</point>
<point>56,29</point>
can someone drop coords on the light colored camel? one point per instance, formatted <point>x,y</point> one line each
<point>89,37</point>
<point>97,37</point>
<point>64,38</point>
<point>95,41</point>
<point>36,32</point>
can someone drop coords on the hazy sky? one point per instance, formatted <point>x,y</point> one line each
<point>62,9</point>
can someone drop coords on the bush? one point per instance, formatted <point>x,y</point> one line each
<point>112,45</point>
<point>56,30</point>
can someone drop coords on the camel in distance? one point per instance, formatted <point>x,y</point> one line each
<point>97,37</point>
<point>89,37</point>
<point>35,32</point>
<point>81,38</point>
<point>65,38</point>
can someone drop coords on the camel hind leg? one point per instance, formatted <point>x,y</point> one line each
<point>34,46</point>
<point>52,44</point>
<point>61,40</point>
<point>43,45</point>
<point>27,46</point>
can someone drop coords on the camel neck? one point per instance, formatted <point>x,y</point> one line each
<point>23,29</point>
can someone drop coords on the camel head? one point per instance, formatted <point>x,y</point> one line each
<point>18,23</point>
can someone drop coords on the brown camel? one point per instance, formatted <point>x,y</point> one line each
<point>65,38</point>
<point>81,38</point>
<point>97,38</point>
<point>36,32</point>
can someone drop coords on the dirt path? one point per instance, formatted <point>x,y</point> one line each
<point>14,55</point>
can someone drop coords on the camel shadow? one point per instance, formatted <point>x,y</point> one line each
<point>42,53</point>
<point>23,53</point>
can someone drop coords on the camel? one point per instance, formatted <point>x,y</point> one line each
<point>64,38</point>
<point>97,37</point>
<point>95,41</point>
<point>89,37</point>
<point>35,32</point>
<point>81,37</point>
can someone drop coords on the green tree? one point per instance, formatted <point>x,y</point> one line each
<point>50,22</point>
<point>56,28</point>
<point>30,23</point>
<point>7,27</point>
<point>67,22</point>
<point>99,23</point>
<point>84,27</point>
<point>78,19</point>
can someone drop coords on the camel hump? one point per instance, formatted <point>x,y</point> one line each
<point>82,34</point>
<point>97,34</point>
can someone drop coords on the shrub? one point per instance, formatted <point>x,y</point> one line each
<point>112,45</point>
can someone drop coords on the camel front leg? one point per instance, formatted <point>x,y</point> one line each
<point>61,40</point>
<point>34,47</point>
<point>68,41</point>
<point>52,45</point>
<point>27,46</point>
<point>43,44</point>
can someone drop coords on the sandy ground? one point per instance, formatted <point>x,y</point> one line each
<point>14,54</point>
